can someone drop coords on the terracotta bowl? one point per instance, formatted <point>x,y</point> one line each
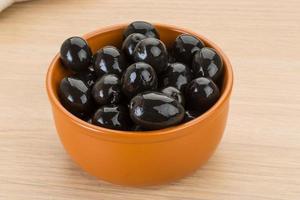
<point>139,158</point>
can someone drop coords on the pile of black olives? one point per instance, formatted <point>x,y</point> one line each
<point>142,86</point>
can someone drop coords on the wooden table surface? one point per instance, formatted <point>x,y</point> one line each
<point>259,156</point>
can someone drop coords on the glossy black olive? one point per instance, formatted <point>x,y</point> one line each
<point>75,96</point>
<point>107,90</point>
<point>190,115</point>
<point>142,27</point>
<point>113,117</point>
<point>88,76</point>
<point>174,93</point>
<point>130,43</point>
<point>207,63</point>
<point>153,52</point>
<point>155,110</point>
<point>137,78</point>
<point>76,54</point>
<point>177,75</point>
<point>201,94</point>
<point>109,60</point>
<point>185,47</point>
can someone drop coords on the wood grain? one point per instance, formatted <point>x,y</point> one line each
<point>259,157</point>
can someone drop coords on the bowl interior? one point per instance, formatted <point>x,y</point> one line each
<point>113,36</point>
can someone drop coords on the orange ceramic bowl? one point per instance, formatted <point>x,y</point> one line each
<point>139,158</point>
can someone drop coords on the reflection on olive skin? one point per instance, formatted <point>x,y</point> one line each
<point>174,93</point>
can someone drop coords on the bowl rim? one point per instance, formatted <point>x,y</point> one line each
<point>170,131</point>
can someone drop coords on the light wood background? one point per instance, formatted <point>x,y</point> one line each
<point>259,157</point>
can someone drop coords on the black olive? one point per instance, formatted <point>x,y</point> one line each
<point>207,63</point>
<point>107,90</point>
<point>130,43</point>
<point>109,60</point>
<point>76,54</point>
<point>153,52</point>
<point>177,75</point>
<point>174,93</point>
<point>190,115</point>
<point>75,96</point>
<point>185,47</point>
<point>142,27</point>
<point>137,78</point>
<point>155,110</point>
<point>201,94</point>
<point>113,117</point>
